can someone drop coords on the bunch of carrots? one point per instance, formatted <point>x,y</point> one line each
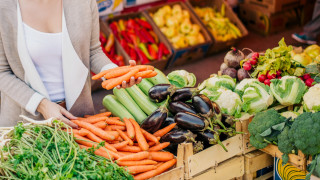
<point>116,76</point>
<point>127,143</point>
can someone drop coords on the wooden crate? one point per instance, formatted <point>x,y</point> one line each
<point>230,169</point>
<point>277,5</point>
<point>255,161</point>
<point>198,163</point>
<point>244,121</point>
<point>218,46</point>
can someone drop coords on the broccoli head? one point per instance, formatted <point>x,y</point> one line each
<point>262,122</point>
<point>304,132</point>
<point>285,144</point>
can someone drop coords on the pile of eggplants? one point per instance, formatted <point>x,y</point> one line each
<point>198,119</point>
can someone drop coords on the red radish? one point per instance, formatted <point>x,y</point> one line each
<point>262,78</point>
<point>278,72</point>
<point>271,76</point>
<point>267,82</point>
<point>306,77</point>
<point>247,66</point>
<point>253,61</point>
<point>279,77</point>
<point>255,56</point>
<point>309,82</point>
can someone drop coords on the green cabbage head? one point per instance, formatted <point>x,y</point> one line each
<point>215,82</point>
<point>256,97</point>
<point>182,78</point>
<point>288,90</point>
<point>311,99</point>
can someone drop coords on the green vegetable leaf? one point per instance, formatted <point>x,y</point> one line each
<point>279,127</point>
<point>266,132</point>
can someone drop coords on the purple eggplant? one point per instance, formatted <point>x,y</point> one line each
<point>179,106</point>
<point>169,120</point>
<point>190,121</point>
<point>160,92</point>
<point>210,138</point>
<point>178,136</point>
<point>184,94</point>
<point>203,105</point>
<point>153,122</point>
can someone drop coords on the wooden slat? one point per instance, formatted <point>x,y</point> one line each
<point>227,170</point>
<point>180,155</point>
<point>173,174</point>
<point>210,157</point>
<point>256,160</point>
<point>188,152</point>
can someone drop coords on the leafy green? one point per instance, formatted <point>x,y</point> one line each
<point>182,78</point>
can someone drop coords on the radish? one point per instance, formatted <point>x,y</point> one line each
<point>306,77</point>
<point>267,82</point>
<point>247,66</point>
<point>271,76</point>
<point>309,82</point>
<point>255,56</point>
<point>262,78</point>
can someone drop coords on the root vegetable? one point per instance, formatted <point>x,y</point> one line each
<point>242,74</point>
<point>230,72</point>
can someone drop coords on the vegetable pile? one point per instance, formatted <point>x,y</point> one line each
<point>117,75</point>
<point>126,142</point>
<point>138,39</point>
<point>219,25</point>
<point>108,47</point>
<point>175,23</point>
<point>43,152</point>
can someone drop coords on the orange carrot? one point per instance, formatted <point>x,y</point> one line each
<point>151,143</point>
<point>95,138</point>
<point>159,146</point>
<point>120,145</point>
<point>163,167</point>
<point>165,130</point>
<point>114,127</point>
<point>149,136</point>
<point>152,74</point>
<point>102,73</point>
<point>97,131</point>
<point>81,132</point>
<point>110,121</point>
<point>117,73</point>
<point>125,137</point>
<point>93,120</point>
<point>114,133</point>
<point>136,163</point>
<point>108,128</point>
<point>113,142</point>
<point>140,168</point>
<point>130,149</point>
<point>129,127</point>
<point>120,139</point>
<point>117,81</point>
<point>104,114</point>
<point>161,156</point>
<point>104,153</point>
<point>100,124</point>
<point>159,164</point>
<point>142,74</point>
<point>135,157</point>
<point>121,153</point>
<point>144,67</point>
<point>84,141</point>
<point>86,116</point>
<point>140,138</point>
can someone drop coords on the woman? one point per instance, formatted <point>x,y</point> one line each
<point>47,49</point>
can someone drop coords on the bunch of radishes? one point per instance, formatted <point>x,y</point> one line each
<point>252,61</point>
<point>307,80</point>
<point>266,78</point>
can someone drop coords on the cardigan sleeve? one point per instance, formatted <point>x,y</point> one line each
<point>98,60</point>
<point>15,88</point>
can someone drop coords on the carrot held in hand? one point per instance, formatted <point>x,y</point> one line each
<point>102,73</point>
<point>162,132</point>
<point>140,168</point>
<point>159,146</point>
<point>130,128</point>
<point>125,137</point>
<point>135,157</point>
<point>161,156</point>
<point>109,84</point>
<point>117,73</point>
<point>139,136</point>
<point>142,74</point>
<point>97,131</point>
<point>136,163</point>
<point>152,74</point>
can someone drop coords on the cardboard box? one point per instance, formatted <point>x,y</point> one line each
<point>218,46</point>
<point>189,54</point>
<point>130,3</point>
<point>273,6</point>
<point>160,64</point>
<point>107,7</point>
<point>264,22</point>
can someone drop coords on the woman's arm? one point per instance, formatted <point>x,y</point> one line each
<point>98,60</point>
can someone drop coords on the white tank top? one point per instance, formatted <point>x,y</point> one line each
<point>45,50</point>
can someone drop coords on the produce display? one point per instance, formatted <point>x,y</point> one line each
<point>182,78</point>
<point>138,39</point>
<point>175,23</point>
<point>116,76</point>
<point>108,47</point>
<point>137,150</point>
<point>220,26</point>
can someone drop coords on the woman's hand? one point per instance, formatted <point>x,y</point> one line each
<point>49,109</point>
<point>132,80</point>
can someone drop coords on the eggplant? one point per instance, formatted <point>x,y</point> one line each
<point>179,106</point>
<point>160,92</point>
<point>228,120</point>
<point>153,122</point>
<point>184,94</point>
<point>203,105</point>
<point>210,137</point>
<point>177,136</point>
<point>169,120</point>
<point>190,121</point>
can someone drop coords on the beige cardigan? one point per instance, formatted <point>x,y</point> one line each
<point>19,83</point>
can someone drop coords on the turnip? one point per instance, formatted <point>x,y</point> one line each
<point>233,58</point>
<point>223,67</point>
<point>242,74</point>
<point>230,72</point>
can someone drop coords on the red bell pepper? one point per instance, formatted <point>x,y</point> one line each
<point>152,52</point>
<point>144,23</point>
<point>143,58</point>
<point>165,50</point>
<point>133,54</point>
<point>148,36</point>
